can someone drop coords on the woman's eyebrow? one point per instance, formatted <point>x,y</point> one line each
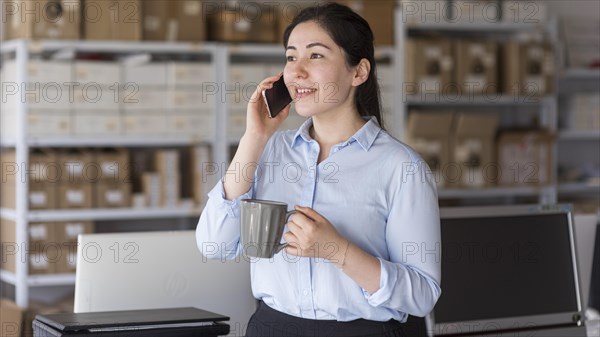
<point>311,45</point>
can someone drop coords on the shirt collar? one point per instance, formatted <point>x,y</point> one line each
<point>365,136</point>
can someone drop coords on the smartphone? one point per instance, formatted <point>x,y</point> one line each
<point>277,98</point>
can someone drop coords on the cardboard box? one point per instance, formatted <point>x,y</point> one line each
<point>75,195</point>
<point>199,125</point>
<point>242,81</point>
<point>43,167</point>
<point>39,122</point>
<point>529,69</point>
<point>429,134</point>
<point>473,148</point>
<point>38,71</point>
<point>244,22</point>
<point>476,67</point>
<point>167,162</point>
<point>99,123</point>
<point>78,165</point>
<point>11,316</point>
<point>380,16</point>
<point>112,20</point>
<point>190,99</point>
<point>110,194</point>
<point>66,236</point>
<point>181,20</point>
<point>53,96</point>
<point>152,74</point>
<point>190,74</point>
<point>145,100</point>
<point>115,164</point>
<point>45,19</point>
<point>429,66</point>
<point>525,158</point>
<point>41,249</point>
<point>97,72</point>
<point>96,98</point>
<point>41,195</point>
<point>145,123</point>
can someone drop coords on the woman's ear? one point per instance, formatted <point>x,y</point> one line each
<point>362,72</point>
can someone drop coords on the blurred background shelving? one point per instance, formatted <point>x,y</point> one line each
<point>191,91</point>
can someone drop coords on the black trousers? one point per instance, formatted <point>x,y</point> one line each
<point>267,322</point>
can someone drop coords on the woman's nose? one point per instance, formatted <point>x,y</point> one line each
<point>297,70</point>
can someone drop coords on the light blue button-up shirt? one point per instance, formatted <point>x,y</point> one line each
<point>375,190</point>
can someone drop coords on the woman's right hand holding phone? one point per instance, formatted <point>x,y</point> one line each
<point>259,128</point>
<point>258,121</point>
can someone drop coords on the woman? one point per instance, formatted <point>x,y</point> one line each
<point>364,252</point>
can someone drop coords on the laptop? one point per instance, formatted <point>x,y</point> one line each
<point>184,322</point>
<point>151,270</point>
<point>508,269</point>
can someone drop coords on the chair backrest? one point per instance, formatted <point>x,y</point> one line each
<point>147,270</point>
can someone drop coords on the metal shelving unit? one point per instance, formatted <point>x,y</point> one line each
<point>547,110</point>
<point>22,51</point>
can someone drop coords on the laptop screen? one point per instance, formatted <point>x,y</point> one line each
<point>506,268</point>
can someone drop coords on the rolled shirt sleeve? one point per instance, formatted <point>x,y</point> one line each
<point>218,230</point>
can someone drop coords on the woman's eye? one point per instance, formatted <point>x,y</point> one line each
<point>316,56</point>
<point>290,58</point>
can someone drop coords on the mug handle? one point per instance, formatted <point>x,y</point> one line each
<point>287,216</point>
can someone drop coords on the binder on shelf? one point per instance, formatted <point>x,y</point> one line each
<point>175,322</point>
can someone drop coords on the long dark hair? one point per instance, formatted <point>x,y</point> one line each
<point>354,35</point>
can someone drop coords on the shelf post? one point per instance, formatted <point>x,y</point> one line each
<point>22,181</point>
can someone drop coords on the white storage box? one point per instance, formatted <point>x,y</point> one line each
<point>183,74</point>
<point>97,123</point>
<point>103,73</point>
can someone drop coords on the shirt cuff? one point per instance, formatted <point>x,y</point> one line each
<point>232,206</point>
<point>388,278</point>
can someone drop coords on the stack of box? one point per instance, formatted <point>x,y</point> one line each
<point>143,99</point>
<point>385,73</point>
<point>525,158</point>
<point>96,101</point>
<point>473,149</point>
<point>114,187</point>
<point>51,246</point>
<point>79,174</point>
<point>193,92</point>
<point>182,20</point>
<point>429,134</point>
<point>46,94</point>
<point>44,174</point>
<point>43,19</point>
<point>112,20</point>
<point>167,166</point>
<point>429,64</point>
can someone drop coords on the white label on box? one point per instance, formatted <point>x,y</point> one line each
<point>151,23</point>
<point>109,169</point>
<point>73,229</point>
<point>37,198</point>
<point>38,261</point>
<point>430,84</point>
<point>38,232</point>
<point>192,8</point>
<point>114,197</point>
<point>75,197</point>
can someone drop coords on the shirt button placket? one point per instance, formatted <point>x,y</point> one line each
<point>305,272</point>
